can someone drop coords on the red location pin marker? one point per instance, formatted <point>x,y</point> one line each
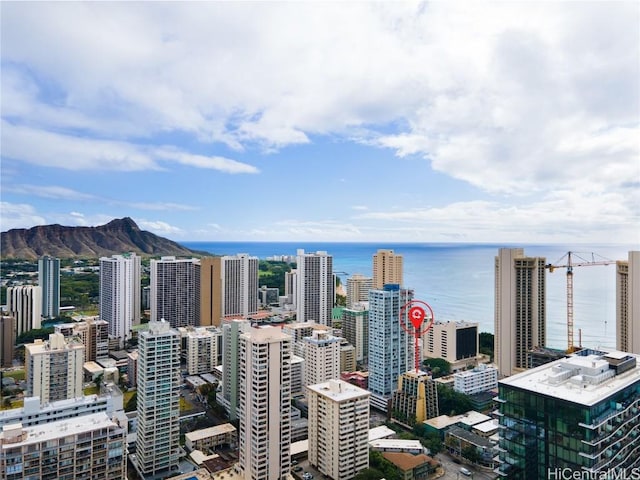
<point>416,315</point>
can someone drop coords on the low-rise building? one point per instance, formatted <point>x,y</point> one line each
<point>209,439</point>
<point>481,379</point>
<point>88,446</point>
<point>412,467</point>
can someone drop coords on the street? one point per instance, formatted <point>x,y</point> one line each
<point>452,470</point>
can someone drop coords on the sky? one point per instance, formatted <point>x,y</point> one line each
<point>438,121</point>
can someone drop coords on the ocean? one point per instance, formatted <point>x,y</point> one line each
<point>457,279</point>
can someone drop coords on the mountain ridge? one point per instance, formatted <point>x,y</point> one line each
<point>118,236</point>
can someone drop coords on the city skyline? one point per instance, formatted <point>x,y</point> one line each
<point>444,121</point>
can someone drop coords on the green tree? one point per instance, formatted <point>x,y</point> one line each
<point>471,453</point>
<point>451,402</point>
<point>36,333</point>
<point>486,344</point>
<point>439,366</point>
<point>369,474</point>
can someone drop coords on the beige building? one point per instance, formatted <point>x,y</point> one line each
<point>347,357</point>
<point>358,287</point>
<point>228,288</point>
<point>54,368</point>
<point>93,333</point>
<point>456,342</point>
<point>338,428</point>
<point>298,331</point>
<point>628,304</point>
<point>88,446</point>
<point>209,439</point>
<point>387,268</point>
<point>264,404</point>
<point>520,308</point>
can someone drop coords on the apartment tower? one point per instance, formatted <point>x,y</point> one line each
<point>231,332</point>
<point>120,294</point>
<point>49,281</point>
<point>520,308</point>
<point>355,328</point>
<point>54,368</point>
<point>628,304</point>
<point>24,303</point>
<point>229,288</point>
<point>321,357</point>
<point>175,291</point>
<point>158,434</point>
<point>315,289</point>
<point>387,268</point>
<point>264,406</point>
<point>358,287</point>
<point>338,428</point>
<point>391,350</point>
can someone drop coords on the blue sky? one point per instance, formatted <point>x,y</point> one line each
<point>338,121</point>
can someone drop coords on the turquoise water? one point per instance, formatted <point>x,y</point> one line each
<point>457,280</point>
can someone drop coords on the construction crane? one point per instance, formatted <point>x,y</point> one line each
<point>570,263</point>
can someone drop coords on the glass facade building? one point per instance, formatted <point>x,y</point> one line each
<point>578,416</point>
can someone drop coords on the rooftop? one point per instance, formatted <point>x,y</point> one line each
<point>382,431</point>
<point>396,444</point>
<point>407,461</point>
<point>582,379</point>
<point>51,431</point>
<point>210,432</point>
<point>339,390</point>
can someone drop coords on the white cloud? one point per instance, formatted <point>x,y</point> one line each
<point>159,227</point>
<point>49,191</point>
<point>18,215</point>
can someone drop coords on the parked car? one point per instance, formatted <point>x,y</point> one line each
<point>466,472</point>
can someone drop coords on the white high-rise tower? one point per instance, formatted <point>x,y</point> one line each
<point>158,377</point>
<point>321,357</point>
<point>120,294</point>
<point>315,290</point>
<point>264,407</point>
<point>391,350</point>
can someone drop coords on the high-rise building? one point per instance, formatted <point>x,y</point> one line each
<point>264,407</point>
<point>416,399</point>
<point>7,340</point>
<point>49,281</point>
<point>572,418</point>
<point>387,268</point>
<point>358,287</point>
<point>88,446</point>
<point>456,342</point>
<point>391,351</point>
<point>628,304</point>
<point>175,291</point>
<point>229,288</point>
<point>355,328</point>
<point>202,350</point>
<point>315,288</point>
<point>231,332</point>
<point>338,428</point>
<point>93,333</point>
<point>24,303</point>
<point>520,308</point>
<point>290,287</point>
<point>54,368</point>
<point>347,356</point>
<point>299,331</point>
<point>321,357</point>
<point>120,294</point>
<point>158,434</point>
